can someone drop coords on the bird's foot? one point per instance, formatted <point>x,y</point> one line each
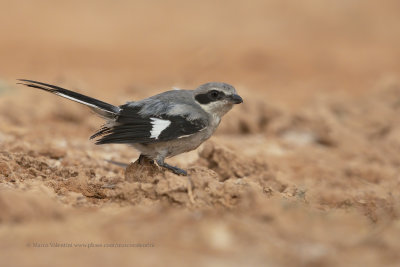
<point>174,169</point>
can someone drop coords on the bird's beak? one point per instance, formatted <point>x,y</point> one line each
<point>235,99</point>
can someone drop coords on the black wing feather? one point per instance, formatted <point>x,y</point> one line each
<point>131,127</point>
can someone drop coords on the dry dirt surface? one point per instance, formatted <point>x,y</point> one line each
<point>306,172</point>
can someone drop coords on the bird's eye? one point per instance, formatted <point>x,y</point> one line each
<point>214,94</point>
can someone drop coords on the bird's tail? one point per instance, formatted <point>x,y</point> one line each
<point>103,109</point>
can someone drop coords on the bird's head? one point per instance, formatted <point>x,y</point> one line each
<point>216,98</point>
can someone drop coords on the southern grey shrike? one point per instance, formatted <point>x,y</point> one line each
<point>160,126</point>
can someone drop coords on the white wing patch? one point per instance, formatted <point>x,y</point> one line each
<point>159,125</point>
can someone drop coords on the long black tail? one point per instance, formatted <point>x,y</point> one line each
<point>103,109</point>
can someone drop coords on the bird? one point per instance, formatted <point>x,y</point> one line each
<point>160,126</point>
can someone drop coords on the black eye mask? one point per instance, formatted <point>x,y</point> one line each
<point>209,97</point>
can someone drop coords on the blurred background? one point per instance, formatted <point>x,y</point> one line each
<point>272,47</point>
<point>315,143</point>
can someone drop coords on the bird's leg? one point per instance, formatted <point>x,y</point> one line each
<point>175,170</point>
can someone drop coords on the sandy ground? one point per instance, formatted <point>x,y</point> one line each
<point>304,173</point>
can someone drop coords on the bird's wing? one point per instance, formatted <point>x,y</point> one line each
<point>135,126</point>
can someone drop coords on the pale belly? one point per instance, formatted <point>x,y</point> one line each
<point>173,147</point>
